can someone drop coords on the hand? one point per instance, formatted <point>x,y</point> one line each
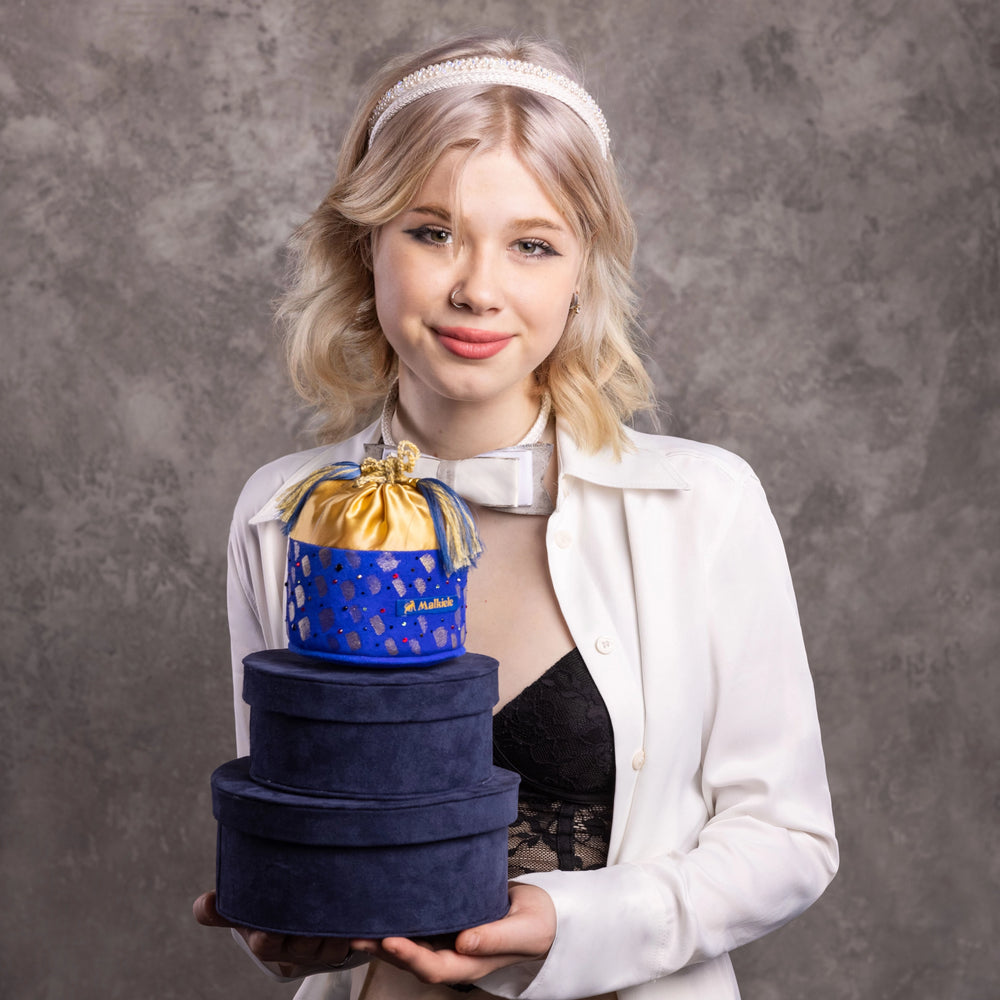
<point>295,956</point>
<point>527,932</point>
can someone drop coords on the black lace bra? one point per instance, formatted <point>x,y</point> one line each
<point>556,734</point>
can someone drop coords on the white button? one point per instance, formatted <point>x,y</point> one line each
<point>638,759</point>
<point>604,644</point>
<point>563,539</point>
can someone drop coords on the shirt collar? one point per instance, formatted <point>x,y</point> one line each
<point>644,468</point>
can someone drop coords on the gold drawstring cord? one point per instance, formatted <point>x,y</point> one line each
<point>394,470</point>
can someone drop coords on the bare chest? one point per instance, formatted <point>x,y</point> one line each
<point>513,614</point>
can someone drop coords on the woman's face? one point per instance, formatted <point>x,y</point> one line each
<point>474,280</point>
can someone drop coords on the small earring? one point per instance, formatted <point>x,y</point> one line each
<point>451,298</point>
<point>574,304</point>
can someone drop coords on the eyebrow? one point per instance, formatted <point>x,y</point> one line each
<point>438,213</point>
<point>536,222</point>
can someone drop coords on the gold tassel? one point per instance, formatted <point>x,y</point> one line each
<point>453,525</point>
<point>290,502</point>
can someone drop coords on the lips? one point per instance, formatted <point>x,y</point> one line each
<point>469,342</point>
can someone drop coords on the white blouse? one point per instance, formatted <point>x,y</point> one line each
<point>672,578</point>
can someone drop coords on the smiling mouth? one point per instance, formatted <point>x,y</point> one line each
<point>468,342</point>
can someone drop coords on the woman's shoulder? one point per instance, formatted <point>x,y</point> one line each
<point>694,460</point>
<point>713,484</point>
<point>653,461</point>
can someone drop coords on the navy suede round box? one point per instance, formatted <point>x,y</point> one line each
<point>347,730</point>
<point>300,864</point>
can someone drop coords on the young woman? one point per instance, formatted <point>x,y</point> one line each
<point>465,284</point>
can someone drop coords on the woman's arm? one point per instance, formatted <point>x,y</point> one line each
<point>246,632</point>
<point>767,849</point>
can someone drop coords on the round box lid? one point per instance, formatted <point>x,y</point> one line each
<point>287,682</point>
<point>240,802</point>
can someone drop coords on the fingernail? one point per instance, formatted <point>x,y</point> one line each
<point>471,943</point>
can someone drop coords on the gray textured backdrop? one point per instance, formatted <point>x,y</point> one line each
<point>817,184</point>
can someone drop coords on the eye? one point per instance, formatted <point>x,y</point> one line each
<point>430,234</point>
<point>535,248</point>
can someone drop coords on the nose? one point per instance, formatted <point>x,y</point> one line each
<point>478,283</point>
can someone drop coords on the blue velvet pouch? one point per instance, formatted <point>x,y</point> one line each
<point>342,867</point>
<point>378,608</point>
<point>346,730</point>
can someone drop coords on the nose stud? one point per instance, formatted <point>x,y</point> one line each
<point>451,298</point>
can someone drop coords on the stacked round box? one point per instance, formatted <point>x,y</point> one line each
<point>369,805</point>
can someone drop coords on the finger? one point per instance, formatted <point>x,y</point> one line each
<point>430,965</point>
<point>427,965</point>
<point>266,946</point>
<point>205,912</point>
<point>372,948</point>
<point>441,966</point>
<point>304,947</point>
<point>527,930</point>
<point>508,937</point>
<point>333,951</point>
<point>296,950</point>
<point>318,950</point>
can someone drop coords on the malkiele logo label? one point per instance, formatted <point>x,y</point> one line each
<point>422,605</point>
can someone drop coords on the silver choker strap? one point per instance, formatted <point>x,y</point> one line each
<point>489,70</point>
<point>507,479</point>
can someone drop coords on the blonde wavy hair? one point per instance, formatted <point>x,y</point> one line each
<point>339,360</point>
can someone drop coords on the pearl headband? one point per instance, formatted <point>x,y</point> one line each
<point>479,70</point>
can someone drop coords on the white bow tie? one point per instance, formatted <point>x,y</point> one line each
<point>509,479</point>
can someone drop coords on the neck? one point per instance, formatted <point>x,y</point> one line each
<point>453,429</point>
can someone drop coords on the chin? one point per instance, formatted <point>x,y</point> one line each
<point>468,385</point>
